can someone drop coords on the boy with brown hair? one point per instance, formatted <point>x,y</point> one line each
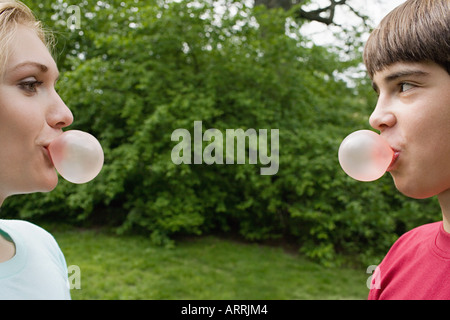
<point>408,59</point>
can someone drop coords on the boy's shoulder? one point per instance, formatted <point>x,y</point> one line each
<point>416,237</point>
<point>425,230</point>
<point>413,269</point>
<point>412,245</point>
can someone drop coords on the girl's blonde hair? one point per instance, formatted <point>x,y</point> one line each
<point>416,31</point>
<point>13,13</point>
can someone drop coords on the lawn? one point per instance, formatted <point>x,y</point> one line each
<point>129,267</point>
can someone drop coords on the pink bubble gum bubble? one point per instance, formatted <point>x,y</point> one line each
<point>77,155</point>
<point>365,155</point>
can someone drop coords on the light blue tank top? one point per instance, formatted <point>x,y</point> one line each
<point>38,269</point>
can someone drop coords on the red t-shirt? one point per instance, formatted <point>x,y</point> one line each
<point>417,267</point>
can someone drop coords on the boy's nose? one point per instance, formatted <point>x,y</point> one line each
<point>382,117</point>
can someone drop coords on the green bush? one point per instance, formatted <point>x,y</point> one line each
<point>133,76</point>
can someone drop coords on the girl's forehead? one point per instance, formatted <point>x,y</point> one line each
<point>28,51</point>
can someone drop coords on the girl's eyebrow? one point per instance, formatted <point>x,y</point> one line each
<point>400,74</point>
<point>40,66</point>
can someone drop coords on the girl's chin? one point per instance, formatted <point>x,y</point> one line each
<point>52,182</point>
<point>48,182</point>
<point>42,184</point>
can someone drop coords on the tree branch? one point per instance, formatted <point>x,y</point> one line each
<point>324,15</point>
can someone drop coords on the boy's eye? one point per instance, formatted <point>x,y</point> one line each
<point>406,86</point>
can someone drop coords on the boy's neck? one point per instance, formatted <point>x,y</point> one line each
<point>444,201</point>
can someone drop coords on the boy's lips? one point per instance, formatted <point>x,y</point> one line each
<point>394,160</point>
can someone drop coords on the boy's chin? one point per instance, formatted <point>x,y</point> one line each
<point>414,190</point>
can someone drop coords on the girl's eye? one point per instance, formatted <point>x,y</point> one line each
<point>406,86</point>
<point>30,86</point>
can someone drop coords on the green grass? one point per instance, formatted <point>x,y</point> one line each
<point>129,267</point>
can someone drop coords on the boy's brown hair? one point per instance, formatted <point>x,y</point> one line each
<point>416,31</point>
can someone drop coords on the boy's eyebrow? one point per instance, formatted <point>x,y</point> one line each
<point>400,74</point>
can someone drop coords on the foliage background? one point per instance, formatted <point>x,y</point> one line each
<point>137,70</point>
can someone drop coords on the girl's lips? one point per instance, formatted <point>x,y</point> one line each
<point>394,161</point>
<point>48,154</point>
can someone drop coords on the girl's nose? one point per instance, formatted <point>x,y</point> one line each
<point>59,115</point>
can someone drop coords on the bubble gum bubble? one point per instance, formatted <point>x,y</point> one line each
<point>365,155</point>
<point>77,156</point>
